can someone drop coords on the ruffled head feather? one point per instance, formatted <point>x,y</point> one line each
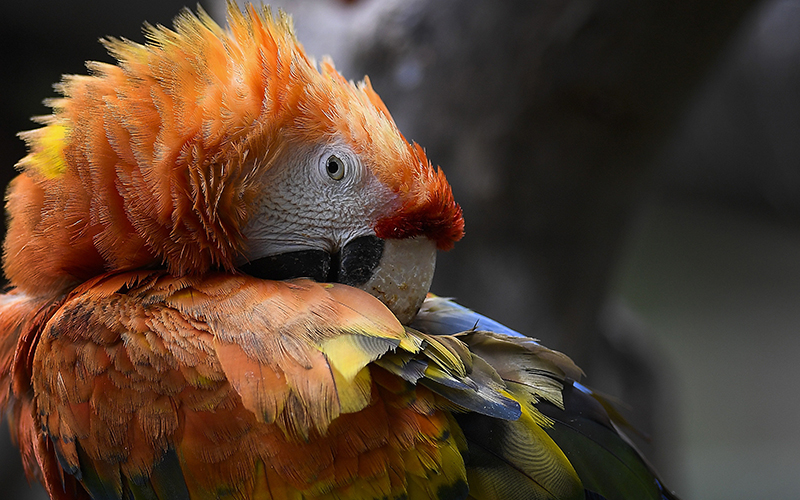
<point>158,160</point>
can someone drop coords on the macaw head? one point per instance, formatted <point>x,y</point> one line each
<point>227,149</point>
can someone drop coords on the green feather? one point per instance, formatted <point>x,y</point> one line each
<point>605,461</point>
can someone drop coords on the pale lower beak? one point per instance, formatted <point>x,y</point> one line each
<point>403,276</point>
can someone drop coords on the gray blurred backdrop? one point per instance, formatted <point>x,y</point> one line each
<point>629,173</point>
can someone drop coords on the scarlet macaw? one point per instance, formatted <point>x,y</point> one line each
<point>219,257</point>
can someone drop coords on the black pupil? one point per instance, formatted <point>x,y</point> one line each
<point>333,165</point>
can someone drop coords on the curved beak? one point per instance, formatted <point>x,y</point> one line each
<point>396,271</point>
<point>403,275</point>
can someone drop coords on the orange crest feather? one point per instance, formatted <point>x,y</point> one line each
<point>158,160</point>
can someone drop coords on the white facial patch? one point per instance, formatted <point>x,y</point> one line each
<point>309,203</point>
<point>321,198</point>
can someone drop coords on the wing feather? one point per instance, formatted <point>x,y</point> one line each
<point>564,445</point>
<point>156,387</point>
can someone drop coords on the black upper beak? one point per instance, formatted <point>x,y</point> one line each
<point>354,264</point>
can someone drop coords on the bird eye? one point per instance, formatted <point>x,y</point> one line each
<point>335,167</point>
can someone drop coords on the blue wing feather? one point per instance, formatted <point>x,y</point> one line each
<point>442,316</point>
<point>586,428</point>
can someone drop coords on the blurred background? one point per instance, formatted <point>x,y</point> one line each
<point>629,173</point>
